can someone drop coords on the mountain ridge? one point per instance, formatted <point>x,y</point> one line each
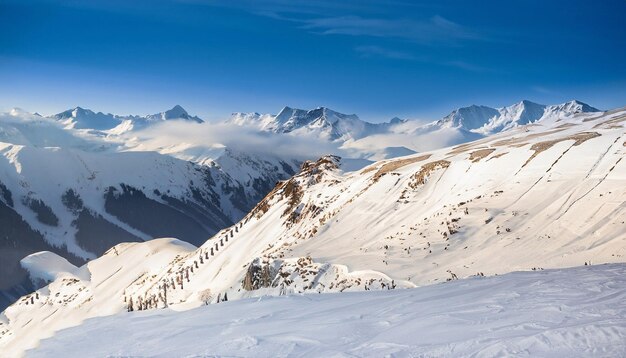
<point>81,118</point>
<point>334,126</point>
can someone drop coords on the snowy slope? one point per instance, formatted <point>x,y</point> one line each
<point>540,196</point>
<point>576,312</point>
<point>79,191</point>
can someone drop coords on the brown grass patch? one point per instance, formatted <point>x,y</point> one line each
<point>420,177</point>
<point>594,118</point>
<point>263,206</point>
<point>397,164</point>
<point>567,125</point>
<point>518,145</point>
<point>464,148</point>
<point>518,140</point>
<point>480,154</point>
<point>498,155</point>
<point>611,122</point>
<point>578,138</point>
<point>371,168</point>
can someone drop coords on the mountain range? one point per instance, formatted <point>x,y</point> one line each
<point>333,126</point>
<point>397,137</point>
<point>80,118</point>
<point>78,182</point>
<point>540,194</point>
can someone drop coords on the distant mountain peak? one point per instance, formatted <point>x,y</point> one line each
<point>580,106</point>
<point>485,120</point>
<point>397,120</point>
<point>471,117</point>
<point>528,102</point>
<point>176,112</point>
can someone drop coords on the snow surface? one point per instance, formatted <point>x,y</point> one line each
<point>47,266</point>
<point>575,312</point>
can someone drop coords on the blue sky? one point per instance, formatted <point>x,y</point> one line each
<point>378,59</point>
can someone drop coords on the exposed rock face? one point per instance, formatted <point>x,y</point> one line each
<point>260,274</point>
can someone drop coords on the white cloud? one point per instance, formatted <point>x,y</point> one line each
<point>239,138</point>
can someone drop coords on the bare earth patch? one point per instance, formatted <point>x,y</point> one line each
<point>567,125</point>
<point>480,154</point>
<point>578,138</point>
<point>498,155</point>
<point>397,164</point>
<point>464,148</point>
<point>514,140</point>
<point>419,178</point>
<point>370,168</point>
<point>611,122</point>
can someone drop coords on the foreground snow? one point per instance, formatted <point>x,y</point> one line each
<point>568,312</point>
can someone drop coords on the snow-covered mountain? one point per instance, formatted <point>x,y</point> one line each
<point>321,122</point>
<point>334,126</point>
<point>77,194</point>
<point>80,118</point>
<point>545,195</point>
<point>376,141</point>
<point>486,120</point>
<point>177,112</point>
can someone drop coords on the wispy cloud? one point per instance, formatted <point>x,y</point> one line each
<point>377,51</point>
<point>430,31</point>
<point>359,18</point>
<point>468,66</point>
<point>371,51</point>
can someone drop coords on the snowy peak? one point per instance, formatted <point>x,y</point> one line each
<point>487,120</point>
<point>290,119</point>
<point>397,120</point>
<point>321,121</point>
<point>571,107</point>
<point>523,112</point>
<point>177,112</point>
<point>471,117</point>
<point>80,118</point>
